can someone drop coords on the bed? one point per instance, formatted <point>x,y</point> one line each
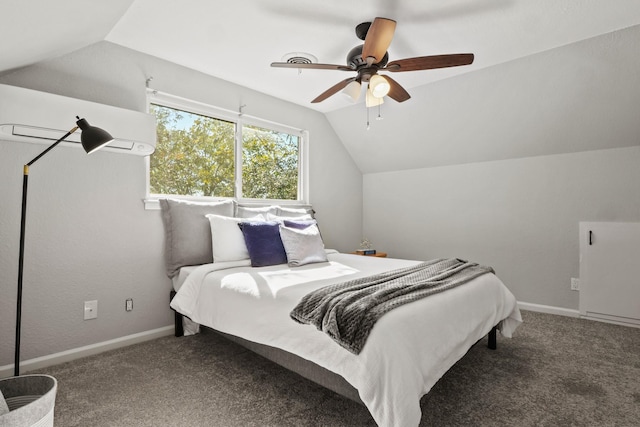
<point>406,352</point>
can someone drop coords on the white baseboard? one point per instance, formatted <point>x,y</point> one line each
<point>576,313</point>
<point>548,309</point>
<point>89,350</point>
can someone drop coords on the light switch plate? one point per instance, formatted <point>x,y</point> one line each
<point>90,309</point>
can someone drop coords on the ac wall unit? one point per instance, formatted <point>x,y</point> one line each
<point>32,116</point>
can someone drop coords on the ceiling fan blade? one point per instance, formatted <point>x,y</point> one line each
<point>430,62</point>
<point>333,89</point>
<point>378,39</point>
<point>396,92</point>
<point>312,66</point>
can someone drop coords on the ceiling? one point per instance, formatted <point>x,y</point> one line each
<point>237,40</point>
<point>550,77</point>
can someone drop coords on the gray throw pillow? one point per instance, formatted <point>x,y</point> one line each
<point>187,231</point>
<point>303,246</point>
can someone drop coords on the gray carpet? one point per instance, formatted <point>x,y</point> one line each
<point>556,371</point>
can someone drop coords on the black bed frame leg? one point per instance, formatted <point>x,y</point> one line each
<point>177,319</point>
<point>492,339</point>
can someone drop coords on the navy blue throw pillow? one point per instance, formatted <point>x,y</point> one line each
<point>263,243</point>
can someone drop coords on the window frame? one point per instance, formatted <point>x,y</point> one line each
<point>239,119</point>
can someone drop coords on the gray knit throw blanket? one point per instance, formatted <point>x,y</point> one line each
<point>348,311</point>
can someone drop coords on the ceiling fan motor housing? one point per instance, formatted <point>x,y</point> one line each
<point>355,60</point>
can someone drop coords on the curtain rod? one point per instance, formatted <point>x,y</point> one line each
<point>224,111</point>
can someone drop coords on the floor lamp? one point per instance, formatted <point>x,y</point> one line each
<point>92,139</point>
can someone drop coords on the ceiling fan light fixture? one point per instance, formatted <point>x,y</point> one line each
<point>353,90</point>
<point>372,101</point>
<point>379,86</point>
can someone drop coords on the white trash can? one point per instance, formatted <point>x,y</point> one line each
<point>31,399</point>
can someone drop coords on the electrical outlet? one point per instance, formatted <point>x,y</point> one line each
<point>128,304</point>
<point>575,284</point>
<point>90,309</point>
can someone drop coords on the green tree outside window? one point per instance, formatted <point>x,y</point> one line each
<point>195,156</point>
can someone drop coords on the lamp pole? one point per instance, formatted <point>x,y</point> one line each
<point>96,139</point>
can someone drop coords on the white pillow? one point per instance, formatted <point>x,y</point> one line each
<point>227,240</point>
<point>272,217</point>
<point>289,212</point>
<point>247,212</point>
<point>303,246</point>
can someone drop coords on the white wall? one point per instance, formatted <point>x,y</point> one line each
<point>519,216</point>
<point>88,235</point>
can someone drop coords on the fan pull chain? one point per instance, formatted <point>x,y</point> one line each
<point>377,118</point>
<point>368,125</point>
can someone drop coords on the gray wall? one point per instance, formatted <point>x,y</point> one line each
<point>520,216</point>
<point>500,164</point>
<point>88,235</point>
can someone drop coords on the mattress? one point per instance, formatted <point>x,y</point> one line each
<point>182,275</point>
<point>408,349</point>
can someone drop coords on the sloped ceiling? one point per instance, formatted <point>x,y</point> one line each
<point>579,97</point>
<point>37,30</point>
<point>238,40</point>
<point>550,76</point>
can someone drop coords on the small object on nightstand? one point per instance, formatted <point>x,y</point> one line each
<point>366,248</point>
<point>366,251</point>
<point>376,254</point>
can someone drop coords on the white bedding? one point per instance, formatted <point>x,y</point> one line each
<point>408,350</point>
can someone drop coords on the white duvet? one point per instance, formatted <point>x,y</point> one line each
<point>408,349</point>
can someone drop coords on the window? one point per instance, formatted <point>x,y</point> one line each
<point>269,164</point>
<point>194,154</point>
<point>206,152</point>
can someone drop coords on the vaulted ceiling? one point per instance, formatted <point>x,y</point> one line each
<point>525,49</point>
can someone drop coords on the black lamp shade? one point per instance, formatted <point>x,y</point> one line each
<point>92,138</point>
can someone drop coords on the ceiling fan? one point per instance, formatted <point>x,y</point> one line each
<point>371,57</point>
